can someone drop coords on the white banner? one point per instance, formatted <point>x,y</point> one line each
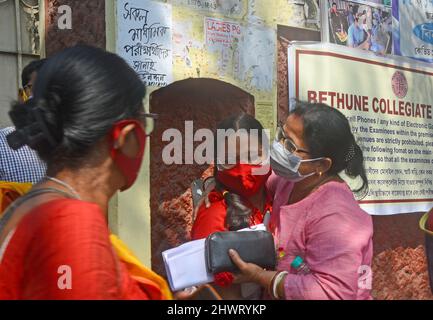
<point>144,39</point>
<point>388,104</point>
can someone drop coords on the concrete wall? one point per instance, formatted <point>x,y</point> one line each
<point>18,47</point>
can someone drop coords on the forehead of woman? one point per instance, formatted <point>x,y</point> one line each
<point>294,130</point>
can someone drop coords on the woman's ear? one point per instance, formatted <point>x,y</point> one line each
<point>127,142</point>
<point>324,166</point>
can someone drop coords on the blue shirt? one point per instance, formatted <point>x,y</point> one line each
<point>23,165</point>
<point>350,18</point>
<point>376,45</point>
<point>355,35</point>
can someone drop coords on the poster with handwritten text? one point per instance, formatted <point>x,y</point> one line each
<point>222,38</point>
<point>144,39</point>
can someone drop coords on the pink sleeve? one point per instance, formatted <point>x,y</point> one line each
<point>336,247</point>
<point>272,183</point>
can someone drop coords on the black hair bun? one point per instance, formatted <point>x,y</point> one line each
<point>31,127</point>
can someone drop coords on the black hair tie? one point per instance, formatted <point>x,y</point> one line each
<point>16,140</point>
<point>37,113</point>
<point>351,153</point>
<point>32,134</point>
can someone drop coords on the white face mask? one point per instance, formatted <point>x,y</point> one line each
<point>286,164</point>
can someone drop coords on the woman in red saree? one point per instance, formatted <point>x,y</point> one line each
<point>87,122</point>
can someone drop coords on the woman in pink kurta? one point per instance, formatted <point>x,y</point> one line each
<point>315,214</point>
<point>331,233</point>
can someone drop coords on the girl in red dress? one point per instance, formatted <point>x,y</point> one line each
<point>236,196</point>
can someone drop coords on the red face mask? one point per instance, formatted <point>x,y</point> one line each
<point>129,166</point>
<point>241,180</point>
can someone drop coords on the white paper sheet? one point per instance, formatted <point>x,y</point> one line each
<point>186,265</point>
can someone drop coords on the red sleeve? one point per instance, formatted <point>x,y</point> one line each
<point>71,256</point>
<point>209,220</point>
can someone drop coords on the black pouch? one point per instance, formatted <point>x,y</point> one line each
<point>253,246</point>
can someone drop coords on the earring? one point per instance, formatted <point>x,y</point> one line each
<point>320,174</point>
